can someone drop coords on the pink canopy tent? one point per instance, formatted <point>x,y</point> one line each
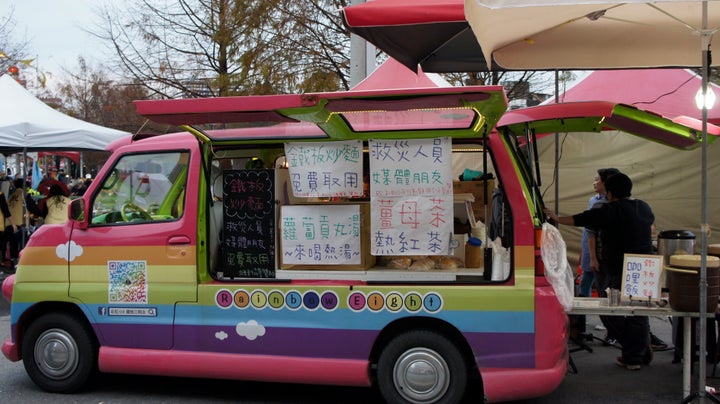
<point>668,92</point>
<point>393,74</point>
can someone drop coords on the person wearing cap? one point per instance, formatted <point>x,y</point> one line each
<point>625,227</point>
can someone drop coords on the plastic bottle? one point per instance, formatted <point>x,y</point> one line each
<point>473,253</point>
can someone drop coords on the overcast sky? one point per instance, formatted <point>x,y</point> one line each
<point>53,31</point>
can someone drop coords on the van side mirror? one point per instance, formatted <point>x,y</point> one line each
<point>77,213</point>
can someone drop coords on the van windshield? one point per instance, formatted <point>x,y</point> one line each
<point>142,188</point>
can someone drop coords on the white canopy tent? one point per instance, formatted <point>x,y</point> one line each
<point>28,124</point>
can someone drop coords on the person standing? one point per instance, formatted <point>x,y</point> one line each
<point>21,205</point>
<point>54,207</point>
<point>589,261</point>
<point>6,216</point>
<point>591,247</point>
<point>625,227</point>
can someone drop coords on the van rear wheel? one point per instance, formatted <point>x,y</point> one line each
<point>422,367</point>
<point>59,353</point>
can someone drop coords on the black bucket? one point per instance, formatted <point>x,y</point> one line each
<point>684,285</point>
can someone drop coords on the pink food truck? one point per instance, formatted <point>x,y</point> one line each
<point>345,238</point>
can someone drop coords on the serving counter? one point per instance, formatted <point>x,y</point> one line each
<point>600,307</point>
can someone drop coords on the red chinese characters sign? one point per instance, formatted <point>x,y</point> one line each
<point>411,196</point>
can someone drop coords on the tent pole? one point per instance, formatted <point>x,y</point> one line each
<point>705,53</point>
<point>557,151</point>
<point>23,226</point>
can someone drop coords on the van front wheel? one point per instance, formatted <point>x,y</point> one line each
<point>422,367</point>
<point>59,353</point>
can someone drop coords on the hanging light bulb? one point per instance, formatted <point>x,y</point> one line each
<point>705,100</point>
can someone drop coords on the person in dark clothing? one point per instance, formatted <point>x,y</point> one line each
<point>7,216</point>
<point>625,227</point>
<point>21,206</point>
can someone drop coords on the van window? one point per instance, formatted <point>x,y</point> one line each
<point>142,188</point>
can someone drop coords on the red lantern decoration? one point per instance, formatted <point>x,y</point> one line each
<point>13,70</point>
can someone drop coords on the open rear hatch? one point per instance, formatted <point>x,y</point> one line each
<point>459,112</point>
<point>595,116</point>
<point>524,127</point>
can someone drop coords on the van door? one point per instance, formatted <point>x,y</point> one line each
<point>137,257</point>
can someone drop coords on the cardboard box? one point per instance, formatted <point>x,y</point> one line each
<point>366,260</point>
<point>476,188</point>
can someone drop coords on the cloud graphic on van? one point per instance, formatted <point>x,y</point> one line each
<point>68,251</point>
<point>250,330</point>
<point>221,335</point>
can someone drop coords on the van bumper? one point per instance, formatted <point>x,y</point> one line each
<point>10,350</point>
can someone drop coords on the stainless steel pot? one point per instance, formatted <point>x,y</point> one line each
<point>674,242</point>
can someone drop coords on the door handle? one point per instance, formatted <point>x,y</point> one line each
<point>178,240</point>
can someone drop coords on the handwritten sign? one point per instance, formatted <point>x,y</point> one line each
<point>411,196</point>
<point>641,276</point>
<point>325,169</point>
<point>248,242</point>
<point>321,234</point>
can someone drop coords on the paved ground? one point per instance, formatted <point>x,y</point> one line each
<point>598,379</point>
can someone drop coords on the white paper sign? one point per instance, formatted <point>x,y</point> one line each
<point>321,234</point>
<point>325,169</point>
<point>641,276</point>
<point>411,196</point>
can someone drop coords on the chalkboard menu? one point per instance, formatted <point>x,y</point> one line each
<point>248,242</point>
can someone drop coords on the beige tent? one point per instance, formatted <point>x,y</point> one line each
<point>667,178</point>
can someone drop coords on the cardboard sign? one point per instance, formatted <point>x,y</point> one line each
<point>411,196</point>
<point>641,276</point>
<point>321,234</point>
<point>325,169</point>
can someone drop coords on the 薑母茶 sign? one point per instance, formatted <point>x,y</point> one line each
<point>411,196</point>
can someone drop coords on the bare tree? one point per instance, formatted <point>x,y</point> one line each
<point>13,52</point>
<point>523,88</point>
<point>200,48</point>
<point>189,48</point>
<point>89,94</point>
<point>313,33</point>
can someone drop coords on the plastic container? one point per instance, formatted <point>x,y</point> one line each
<point>473,253</point>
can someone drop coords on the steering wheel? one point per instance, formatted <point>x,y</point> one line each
<point>131,207</point>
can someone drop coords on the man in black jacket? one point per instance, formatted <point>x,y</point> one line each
<point>625,228</point>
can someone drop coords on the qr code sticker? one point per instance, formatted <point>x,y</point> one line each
<point>127,282</point>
